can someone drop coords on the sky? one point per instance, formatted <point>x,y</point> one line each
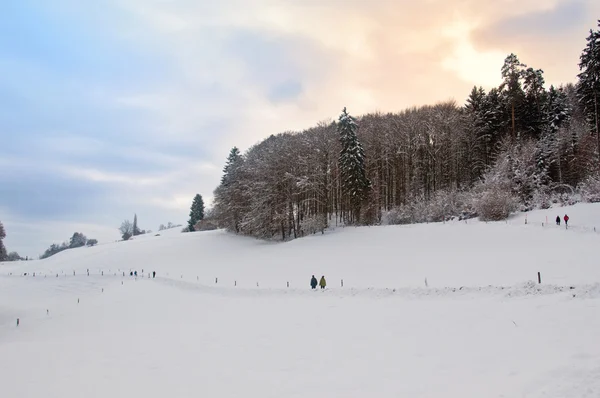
<point>119,107</point>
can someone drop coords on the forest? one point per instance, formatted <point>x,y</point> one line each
<point>516,147</point>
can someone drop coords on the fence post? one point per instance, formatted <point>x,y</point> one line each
<point>216,280</point>
<point>539,278</point>
<point>342,283</point>
<point>288,284</point>
<point>234,283</point>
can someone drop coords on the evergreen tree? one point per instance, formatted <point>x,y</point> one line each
<point>588,87</point>
<point>492,121</point>
<point>3,254</point>
<point>477,134</point>
<point>232,164</point>
<point>534,104</point>
<point>196,212</point>
<point>355,184</point>
<point>229,196</point>
<point>136,230</point>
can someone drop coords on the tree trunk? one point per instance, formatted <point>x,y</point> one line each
<point>597,130</point>
<point>513,118</point>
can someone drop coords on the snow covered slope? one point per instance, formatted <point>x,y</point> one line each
<point>220,320</point>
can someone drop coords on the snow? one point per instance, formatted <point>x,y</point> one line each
<point>482,327</point>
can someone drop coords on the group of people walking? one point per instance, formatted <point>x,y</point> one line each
<point>322,282</point>
<point>566,218</point>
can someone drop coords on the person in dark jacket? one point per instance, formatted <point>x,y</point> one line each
<point>313,282</point>
<point>557,220</point>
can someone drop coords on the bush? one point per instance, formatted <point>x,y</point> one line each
<point>312,225</point>
<point>590,189</point>
<point>495,205</point>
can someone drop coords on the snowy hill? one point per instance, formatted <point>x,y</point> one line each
<point>220,319</point>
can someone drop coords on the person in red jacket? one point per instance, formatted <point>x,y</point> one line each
<point>566,218</point>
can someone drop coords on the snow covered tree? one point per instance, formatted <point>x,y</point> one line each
<point>3,254</point>
<point>77,240</point>
<point>14,256</point>
<point>588,87</point>
<point>354,182</point>
<point>126,229</point>
<point>92,242</point>
<point>196,212</point>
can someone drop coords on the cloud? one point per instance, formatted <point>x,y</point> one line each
<point>119,106</point>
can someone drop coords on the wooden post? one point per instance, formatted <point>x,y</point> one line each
<point>216,280</point>
<point>539,278</point>
<point>342,283</point>
<point>234,283</point>
<point>18,321</point>
<point>288,284</point>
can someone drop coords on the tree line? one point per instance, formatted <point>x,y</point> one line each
<point>517,146</point>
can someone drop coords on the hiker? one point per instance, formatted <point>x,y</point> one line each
<point>557,220</point>
<point>135,273</point>
<point>130,273</point>
<point>566,218</point>
<point>322,282</point>
<point>153,274</point>
<point>313,282</point>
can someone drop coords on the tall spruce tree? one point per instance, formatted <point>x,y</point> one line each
<point>354,181</point>
<point>3,255</point>
<point>534,105</point>
<point>588,88</point>
<point>196,212</point>
<point>136,229</point>
<point>233,161</point>
<point>229,198</point>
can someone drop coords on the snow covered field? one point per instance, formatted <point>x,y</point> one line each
<point>482,327</point>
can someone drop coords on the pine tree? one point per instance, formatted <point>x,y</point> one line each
<point>196,212</point>
<point>3,254</point>
<point>354,181</point>
<point>233,161</point>
<point>534,104</point>
<point>136,230</point>
<point>229,196</point>
<point>588,87</point>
